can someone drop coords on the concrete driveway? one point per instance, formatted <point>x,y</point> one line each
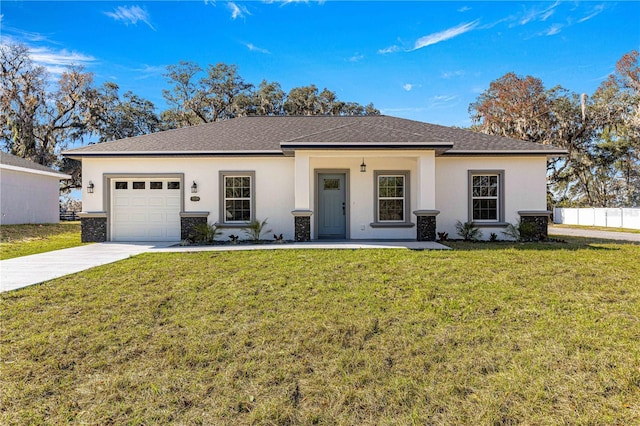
<point>28,270</point>
<point>592,233</point>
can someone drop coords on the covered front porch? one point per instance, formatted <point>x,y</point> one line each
<point>365,194</point>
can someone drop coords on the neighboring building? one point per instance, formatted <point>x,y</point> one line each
<point>29,192</point>
<point>371,177</point>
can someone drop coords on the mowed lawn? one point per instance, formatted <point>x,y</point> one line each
<point>23,240</point>
<point>487,334</point>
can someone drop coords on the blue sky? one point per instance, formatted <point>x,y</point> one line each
<point>420,60</point>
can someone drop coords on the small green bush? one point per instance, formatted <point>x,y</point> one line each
<point>468,231</point>
<point>256,229</point>
<point>522,231</point>
<point>205,233</point>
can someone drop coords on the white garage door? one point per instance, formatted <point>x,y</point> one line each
<point>145,209</point>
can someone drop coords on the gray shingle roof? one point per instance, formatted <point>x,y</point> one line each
<point>270,135</point>
<point>11,160</point>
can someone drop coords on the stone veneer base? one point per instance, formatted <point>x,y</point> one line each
<point>93,229</point>
<point>541,224</point>
<point>188,226</point>
<point>426,229</point>
<point>302,228</point>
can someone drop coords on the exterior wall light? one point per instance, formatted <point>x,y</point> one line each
<point>194,187</point>
<point>363,166</point>
<point>90,187</point>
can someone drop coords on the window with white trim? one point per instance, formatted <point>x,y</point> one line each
<point>238,200</point>
<point>486,196</point>
<point>391,197</point>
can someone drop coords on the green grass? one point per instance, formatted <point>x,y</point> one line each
<point>597,228</point>
<point>23,240</point>
<point>488,334</point>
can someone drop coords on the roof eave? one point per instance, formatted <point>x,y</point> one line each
<point>76,155</point>
<point>510,152</point>
<point>365,145</point>
<point>51,173</point>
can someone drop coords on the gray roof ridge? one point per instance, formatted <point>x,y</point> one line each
<point>383,126</point>
<point>320,131</point>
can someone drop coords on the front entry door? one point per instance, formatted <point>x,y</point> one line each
<point>332,209</point>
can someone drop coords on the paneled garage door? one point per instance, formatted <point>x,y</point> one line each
<point>146,209</point>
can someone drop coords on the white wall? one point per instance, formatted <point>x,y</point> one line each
<point>361,194</point>
<point>28,198</point>
<point>607,217</point>
<point>525,186</point>
<point>273,190</point>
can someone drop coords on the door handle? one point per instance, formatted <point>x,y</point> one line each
<point>343,210</point>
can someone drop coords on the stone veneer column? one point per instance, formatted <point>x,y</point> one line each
<point>189,221</point>
<point>426,229</point>
<point>93,227</point>
<point>540,218</point>
<point>302,225</point>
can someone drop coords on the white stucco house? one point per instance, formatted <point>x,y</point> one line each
<point>29,192</point>
<point>371,177</point>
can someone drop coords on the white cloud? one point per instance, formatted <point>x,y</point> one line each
<point>237,11</point>
<point>252,47</point>
<point>27,35</point>
<point>464,9</point>
<point>56,62</point>
<point>447,34</point>
<point>553,30</point>
<point>390,49</point>
<point>451,74</point>
<point>442,100</point>
<point>130,15</point>
<point>286,2</point>
<point>408,87</point>
<point>148,71</point>
<point>356,58</point>
<point>536,14</point>
<point>596,11</point>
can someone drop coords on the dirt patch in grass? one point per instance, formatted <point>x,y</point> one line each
<point>23,240</point>
<point>374,337</point>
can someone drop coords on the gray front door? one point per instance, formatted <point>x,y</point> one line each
<point>332,214</point>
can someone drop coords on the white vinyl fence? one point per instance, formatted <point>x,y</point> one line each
<point>612,218</point>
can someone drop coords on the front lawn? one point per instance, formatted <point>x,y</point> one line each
<point>23,240</point>
<point>485,334</point>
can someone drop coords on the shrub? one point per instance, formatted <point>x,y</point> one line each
<point>443,236</point>
<point>493,237</point>
<point>205,233</point>
<point>522,231</point>
<point>468,231</point>
<point>255,229</point>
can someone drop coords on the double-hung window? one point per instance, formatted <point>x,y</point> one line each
<point>392,192</point>
<point>238,200</point>
<point>486,197</point>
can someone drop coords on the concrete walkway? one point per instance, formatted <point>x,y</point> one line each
<point>332,245</point>
<point>592,233</point>
<point>28,270</point>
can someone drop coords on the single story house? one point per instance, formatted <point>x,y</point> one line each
<point>369,177</point>
<point>29,192</point>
